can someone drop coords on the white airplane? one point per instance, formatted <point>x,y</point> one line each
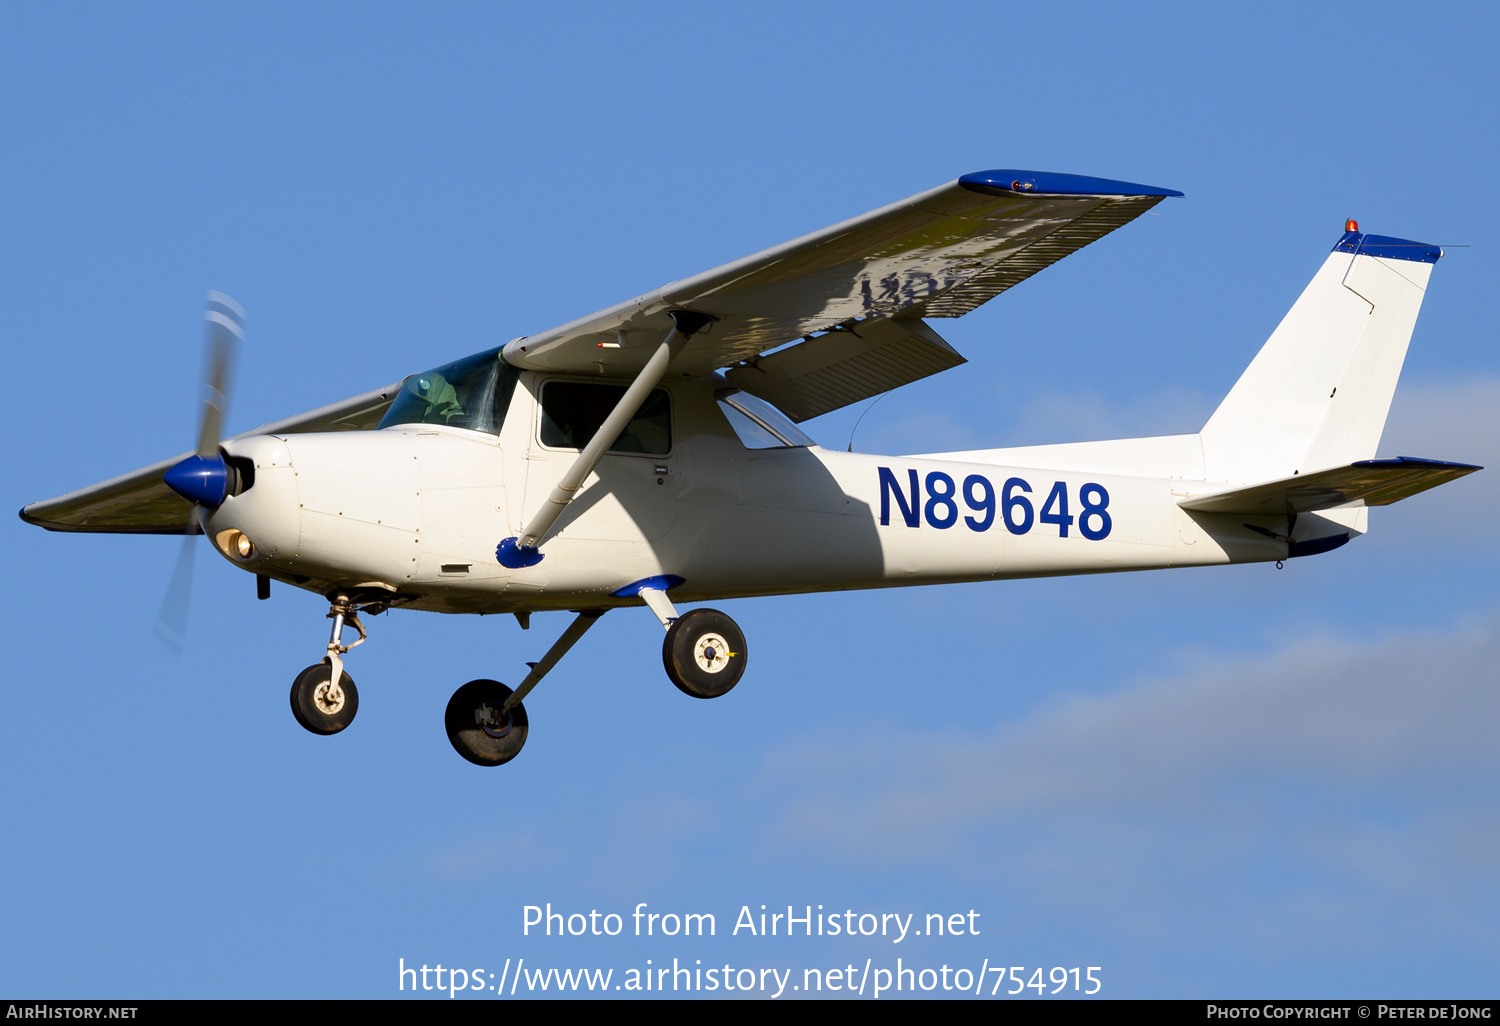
<point>648,454</point>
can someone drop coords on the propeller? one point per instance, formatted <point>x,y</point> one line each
<point>202,478</point>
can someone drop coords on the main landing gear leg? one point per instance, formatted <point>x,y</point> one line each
<point>324,699</point>
<point>704,650</point>
<point>486,721</point>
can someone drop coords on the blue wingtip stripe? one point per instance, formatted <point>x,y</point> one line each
<point>1011,182</point>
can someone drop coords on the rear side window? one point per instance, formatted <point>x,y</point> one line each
<point>758,424</point>
<point>572,412</point>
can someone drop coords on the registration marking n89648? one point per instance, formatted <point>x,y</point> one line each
<point>1011,504</point>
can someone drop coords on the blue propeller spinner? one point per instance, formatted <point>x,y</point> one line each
<point>200,479</point>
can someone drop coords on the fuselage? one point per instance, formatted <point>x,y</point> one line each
<point>417,510</point>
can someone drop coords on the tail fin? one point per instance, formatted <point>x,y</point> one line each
<point>1317,394</point>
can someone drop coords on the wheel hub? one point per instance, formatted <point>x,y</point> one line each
<point>492,721</point>
<point>328,698</point>
<point>711,653</point>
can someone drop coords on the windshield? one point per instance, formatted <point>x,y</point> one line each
<point>471,393</point>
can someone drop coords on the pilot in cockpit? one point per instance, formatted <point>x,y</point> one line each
<point>439,395</point>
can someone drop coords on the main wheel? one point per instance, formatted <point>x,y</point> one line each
<point>479,731</point>
<point>320,705</point>
<point>704,653</point>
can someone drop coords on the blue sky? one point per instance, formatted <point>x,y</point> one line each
<point>1215,782</point>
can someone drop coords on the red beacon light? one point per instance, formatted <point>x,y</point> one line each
<point>1351,225</point>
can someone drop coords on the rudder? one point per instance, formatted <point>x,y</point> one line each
<point>1317,394</point>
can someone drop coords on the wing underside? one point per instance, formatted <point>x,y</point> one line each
<point>941,253</point>
<point>831,371</point>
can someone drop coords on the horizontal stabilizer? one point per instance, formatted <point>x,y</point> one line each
<point>1377,482</point>
<point>831,371</point>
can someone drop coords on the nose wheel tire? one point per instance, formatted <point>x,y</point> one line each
<point>477,727</point>
<point>320,705</point>
<point>704,653</point>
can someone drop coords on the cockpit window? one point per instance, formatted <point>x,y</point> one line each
<point>471,393</point>
<point>758,424</point>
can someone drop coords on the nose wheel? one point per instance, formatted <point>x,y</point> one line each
<point>323,696</point>
<point>704,653</point>
<point>480,726</point>
<point>322,705</point>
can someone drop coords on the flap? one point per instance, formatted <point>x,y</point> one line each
<point>831,371</point>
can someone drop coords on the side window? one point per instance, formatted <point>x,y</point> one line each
<point>758,424</point>
<point>573,411</point>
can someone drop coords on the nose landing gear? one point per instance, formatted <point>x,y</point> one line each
<point>324,699</point>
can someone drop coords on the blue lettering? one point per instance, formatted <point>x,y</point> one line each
<point>940,498</point>
<point>910,511</point>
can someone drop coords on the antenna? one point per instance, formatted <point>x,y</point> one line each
<point>862,417</point>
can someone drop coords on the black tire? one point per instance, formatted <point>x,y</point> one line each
<point>315,708</point>
<point>485,743</point>
<point>704,653</point>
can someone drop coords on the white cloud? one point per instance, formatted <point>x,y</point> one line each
<point>1331,792</point>
<point>1453,420</point>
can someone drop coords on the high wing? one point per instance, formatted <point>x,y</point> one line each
<point>941,253</point>
<point>1376,482</point>
<point>855,293</point>
<point>140,503</point>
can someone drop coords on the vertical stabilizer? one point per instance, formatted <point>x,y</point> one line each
<point>1317,394</point>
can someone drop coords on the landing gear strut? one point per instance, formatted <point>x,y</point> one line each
<point>324,699</point>
<point>486,721</point>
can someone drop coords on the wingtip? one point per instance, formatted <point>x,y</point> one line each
<point>1010,181</point>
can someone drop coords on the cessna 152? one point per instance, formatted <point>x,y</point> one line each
<point>649,453</point>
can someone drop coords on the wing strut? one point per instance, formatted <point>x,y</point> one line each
<point>522,551</point>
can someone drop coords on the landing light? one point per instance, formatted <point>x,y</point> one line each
<point>236,544</point>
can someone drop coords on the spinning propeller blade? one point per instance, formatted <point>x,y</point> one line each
<point>225,324</point>
<point>170,631</point>
<point>203,478</point>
